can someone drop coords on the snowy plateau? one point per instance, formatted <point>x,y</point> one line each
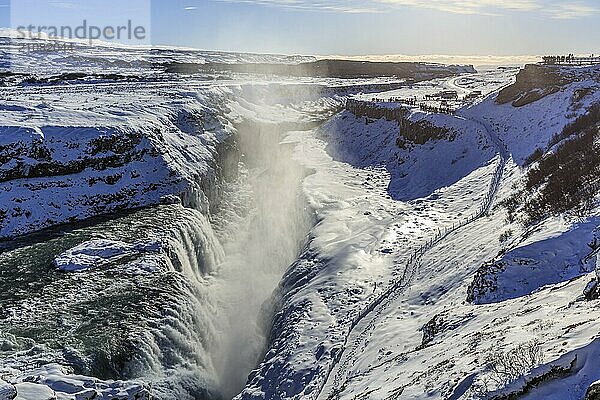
<point>173,228</point>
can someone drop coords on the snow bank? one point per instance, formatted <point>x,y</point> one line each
<point>104,253</point>
<point>568,377</point>
<point>560,253</point>
<point>412,177</point>
<point>50,382</point>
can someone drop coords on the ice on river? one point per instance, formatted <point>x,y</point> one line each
<point>102,253</point>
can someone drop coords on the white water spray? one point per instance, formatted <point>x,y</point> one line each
<point>257,255</point>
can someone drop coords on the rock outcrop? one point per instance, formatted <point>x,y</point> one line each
<point>534,82</point>
<point>61,171</point>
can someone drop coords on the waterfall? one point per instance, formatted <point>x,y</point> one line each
<point>258,252</point>
<point>222,269</point>
<point>194,246</point>
<point>175,355</point>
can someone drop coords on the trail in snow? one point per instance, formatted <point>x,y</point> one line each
<point>363,325</point>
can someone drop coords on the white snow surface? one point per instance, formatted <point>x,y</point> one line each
<point>376,205</point>
<point>100,253</point>
<point>50,382</point>
<point>79,150</point>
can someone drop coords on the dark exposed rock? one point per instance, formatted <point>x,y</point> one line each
<point>430,329</point>
<point>534,82</point>
<point>114,150</point>
<point>417,132</point>
<point>593,392</point>
<point>77,77</point>
<point>591,291</point>
<point>484,281</point>
<point>439,324</point>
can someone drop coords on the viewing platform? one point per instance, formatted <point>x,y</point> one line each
<point>571,59</point>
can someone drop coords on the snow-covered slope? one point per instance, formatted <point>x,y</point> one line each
<point>124,305</point>
<point>132,303</point>
<point>377,305</point>
<point>68,157</point>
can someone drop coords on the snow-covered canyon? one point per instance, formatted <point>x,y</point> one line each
<point>394,297</point>
<point>229,235</point>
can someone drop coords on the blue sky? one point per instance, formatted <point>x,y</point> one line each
<point>346,27</point>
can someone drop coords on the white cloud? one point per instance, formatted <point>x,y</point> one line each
<point>345,6</point>
<point>571,11</point>
<point>64,4</point>
<point>549,8</point>
<point>485,7</point>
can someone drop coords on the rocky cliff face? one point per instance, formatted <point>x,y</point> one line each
<point>534,82</point>
<point>57,169</point>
